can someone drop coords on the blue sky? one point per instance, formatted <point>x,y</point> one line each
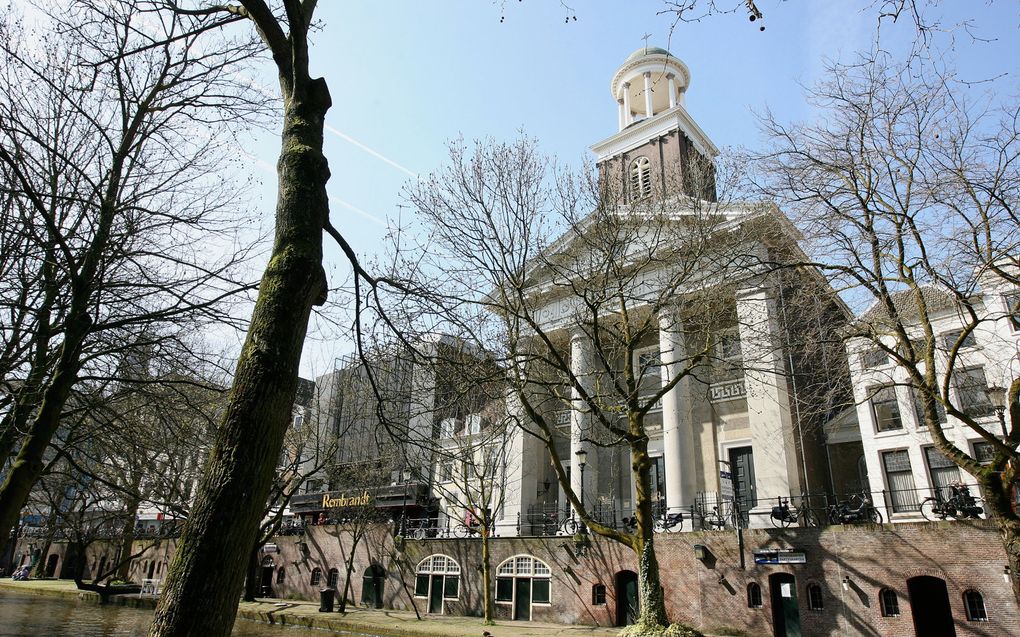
<point>406,77</point>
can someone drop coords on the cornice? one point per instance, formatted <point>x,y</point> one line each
<point>639,133</point>
<point>656,62</point>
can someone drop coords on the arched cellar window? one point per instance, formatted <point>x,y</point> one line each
<point>598,594</point>
<point>523,581</point>
<point>334,578</point>
<point>753,595</point>
<point>316,576</point>
<point>640,179</point>
<point>889,603</point>
<point>437,578</point>
<point>280,574</point>
<point>814,597</point>
<point>975,606</point>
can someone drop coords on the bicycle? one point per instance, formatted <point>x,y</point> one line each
<point>570,526</point>
<point>961,504</point>
<point>669,523</point>
<point>857,508</point>
<point>712,521</point>
<point>784,515</point>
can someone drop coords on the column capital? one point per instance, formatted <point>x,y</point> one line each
<point>670,76</point>
<point>755,286</point>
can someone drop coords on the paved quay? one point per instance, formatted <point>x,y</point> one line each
<point>384,623</point>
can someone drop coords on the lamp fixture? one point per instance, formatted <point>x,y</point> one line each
<point>582,457</point>
<point>1007,572</point>
<point>700,552</point>
<point>846,583</point>
<point>997,396</point>
<point>582,541</point>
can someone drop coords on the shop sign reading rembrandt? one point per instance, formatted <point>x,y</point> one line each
<point>342,500</point>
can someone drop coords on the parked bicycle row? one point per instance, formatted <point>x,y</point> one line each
<point>709,512</point>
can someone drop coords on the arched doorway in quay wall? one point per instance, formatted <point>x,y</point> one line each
<point>628,602</point>
<point>51,565</point>
<point>785,610</point>
<point>929,606</point>
<point>266,577</point>
<point>372,586</point>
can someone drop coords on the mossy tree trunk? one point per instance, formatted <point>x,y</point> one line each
<point>208,569</point>
<point>653,603</point>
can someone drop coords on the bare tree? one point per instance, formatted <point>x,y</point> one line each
<point>907,189</point>
<point>472,462</point>
<point>108,159</point>
<point>563,281</point>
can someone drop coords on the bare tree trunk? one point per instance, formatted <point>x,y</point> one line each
<point>653,604</point>
<point>486,578</point>
<point>998,498</point>
<point>349,567</point>
<point>39,570</point>
<point>208,569</point>
<point>347,583</point>
<point>29,463</point>
<point>251,581</point>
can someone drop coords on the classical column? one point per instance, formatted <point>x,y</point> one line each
<point>672,90</point>
<point>580,418</point>
<point>623,119</point>
<point>776,470</point>
<point>628,116</point>
<point>519,483</point>
<point>648,94</point>
<point>677,431</point>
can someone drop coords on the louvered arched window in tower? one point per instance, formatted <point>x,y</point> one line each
<point>640,179</point>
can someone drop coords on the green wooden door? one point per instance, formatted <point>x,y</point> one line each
<point>785,610</point>
<point>436,595</point>
<point>522,599</point>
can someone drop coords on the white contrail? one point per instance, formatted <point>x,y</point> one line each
<point>347,138</point>
<point>357,210</point>
<point>376,154</point>
<point>272,169</point>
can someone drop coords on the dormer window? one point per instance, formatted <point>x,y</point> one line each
<point>640,179</point>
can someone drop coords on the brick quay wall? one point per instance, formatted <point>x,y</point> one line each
<point>847,568</point>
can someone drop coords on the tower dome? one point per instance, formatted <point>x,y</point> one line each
<point>650,81</point>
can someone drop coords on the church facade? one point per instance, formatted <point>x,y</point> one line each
<point>705,302</point>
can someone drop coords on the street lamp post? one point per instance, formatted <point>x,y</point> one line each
<point>582,460</point>
<point>997,396</point>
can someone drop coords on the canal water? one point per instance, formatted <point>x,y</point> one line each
<point>42,616</point>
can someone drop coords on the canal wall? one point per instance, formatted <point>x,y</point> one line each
<point>839,580</point>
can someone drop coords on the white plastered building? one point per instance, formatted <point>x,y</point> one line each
<point>903,466</point>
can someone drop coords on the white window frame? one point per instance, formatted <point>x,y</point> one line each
<point>439,564</point>
<point>523,566</point>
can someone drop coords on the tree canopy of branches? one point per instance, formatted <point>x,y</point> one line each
<point>907,189</point>
<point>561,284</point>
<point>122,244</point>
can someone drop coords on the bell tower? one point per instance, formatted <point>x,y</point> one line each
<point>658,149</point>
